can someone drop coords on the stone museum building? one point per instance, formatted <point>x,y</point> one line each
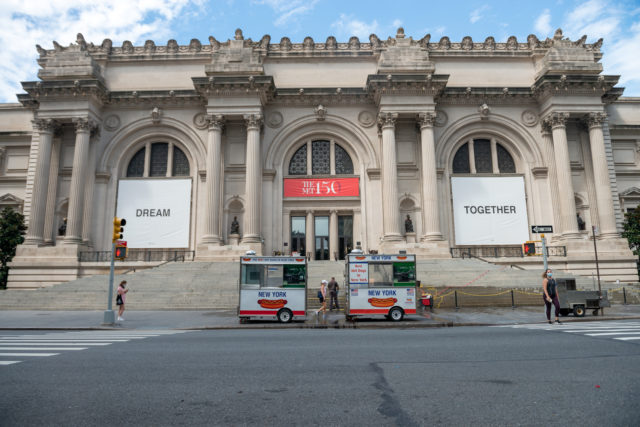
<point>433,147</point>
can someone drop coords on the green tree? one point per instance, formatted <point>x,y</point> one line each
<point>12,231</point>
<point>631,228</point>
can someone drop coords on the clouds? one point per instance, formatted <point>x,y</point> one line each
<point>477,14</point>
<point>543,23</point>
<point>27,23</point>
<point>347,26</point>
<point>288,10</point>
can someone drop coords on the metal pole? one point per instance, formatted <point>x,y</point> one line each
<point>513,304</point>
<point>544,253</point>
<point>109,314</point>
<point>595,250</point>
<point>455,294</point>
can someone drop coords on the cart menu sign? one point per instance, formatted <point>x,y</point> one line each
<point>359,273</point>
<point>321,187</point>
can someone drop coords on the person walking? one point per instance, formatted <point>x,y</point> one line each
<point>333,293</point>
<point>322,293</point>
<point>550,296</point>
<point>121,297</point>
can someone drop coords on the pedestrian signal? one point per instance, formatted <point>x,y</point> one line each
<point>121,252</point>
<point>529,248</point>
<point>118,228</point>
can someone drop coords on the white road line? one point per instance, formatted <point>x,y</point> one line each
<point>602,334</point>
<point>2,340</point>
<point>627,338</point>
<point>602,330</point>
<point>40,348</point>
<point>28,354</point>
<point>71,344</point>
<point>9,362</point>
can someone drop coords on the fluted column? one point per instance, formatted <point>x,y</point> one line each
<point>78,180</point>
<point>547,143</point>
<point>430,216</point>
<point>391,222</point>
<point>253,180</point>
<point>214,166</point>
<point>89,191</point>
<point>333,234</point>
<point>568,222</point>
<point>45,128</point>
<point>310,234</point>
<point>604,198</point>
<point>50,229</point>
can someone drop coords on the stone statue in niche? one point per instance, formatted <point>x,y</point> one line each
<point>63,228</point>
<point>408,225</point>
<point>235,226</point>
<point>581,224</point>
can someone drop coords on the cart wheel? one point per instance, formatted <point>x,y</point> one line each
<point>578,310</point>
<point>285,316</point>
<point>595,312</point>
<point>396,314</point>
<point>564,312</point>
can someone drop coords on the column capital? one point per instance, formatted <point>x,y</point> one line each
<point>253,121</point>
<point>595,119</point>
<point>45,125</point>
<point>215,122</point>
<point>426,120</point>
<point>387,120</point>
<point>557,120</point>
<point>84,124</point>
<point>545,128</point>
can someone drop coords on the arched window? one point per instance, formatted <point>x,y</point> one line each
<point>164,159</point>
<point>483,156</point>
<point>322,154</point>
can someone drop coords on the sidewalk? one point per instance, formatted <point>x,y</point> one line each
<point>221,319</point>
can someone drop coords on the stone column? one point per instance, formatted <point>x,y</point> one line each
<point>310,237</point>
<point>253,180</point>
<point>286,232</point>
<point>88,216</point>
<point>45,128</point>
<point>568,222</point>
<point>547,144</point>
<point>333,234</point>
<point>78,180</point>
<point>601,176</point>
<point>212,188</point>
<point>391,227</point>
<point>50,228</point>
<point>430,216</point>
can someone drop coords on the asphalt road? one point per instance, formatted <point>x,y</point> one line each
<point>444,376</point>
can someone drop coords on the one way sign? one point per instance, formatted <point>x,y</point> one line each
<point>542,229</point>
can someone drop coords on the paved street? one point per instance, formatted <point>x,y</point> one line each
<point>511,375</point>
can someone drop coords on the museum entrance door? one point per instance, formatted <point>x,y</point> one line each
<point>298,235</point>
<point>322,238</point>
<point>345,235</point>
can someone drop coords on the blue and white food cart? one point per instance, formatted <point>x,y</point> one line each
<point>380,285</point>
<point>273,288</point>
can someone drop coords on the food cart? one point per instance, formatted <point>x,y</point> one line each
<point>578,302</point>
<point>380,285</point>
<point>272,288</point>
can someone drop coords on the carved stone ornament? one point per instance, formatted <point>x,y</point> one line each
<point>215,122</point>
<point>529,118</point>
<point>275,120</point>
<point>200,121</point>
<point>557,120</point>
<point>44,125</point>
<point>441,118</point>
<point>387,120</point>
<point>156,115</point>
<point>427,119</point>
<point>484,110</point>
<point>321,112</point>
<point>111,122</point>
<point>83,124</point>
<point>596,119</point>
<point>366,118</point>
<point>253,121</point>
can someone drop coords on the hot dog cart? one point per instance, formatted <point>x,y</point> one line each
<point>272,288</point>
<point>380,285</point>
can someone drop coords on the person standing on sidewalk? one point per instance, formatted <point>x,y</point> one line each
<point>550,296</point>
<point>322,294</point>
<point>333,293</point>
<point>120,298</point>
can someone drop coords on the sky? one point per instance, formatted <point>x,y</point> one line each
<point>25,23</point>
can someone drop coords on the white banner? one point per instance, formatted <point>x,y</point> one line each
<point>157,212</point>
<point>489,210</point>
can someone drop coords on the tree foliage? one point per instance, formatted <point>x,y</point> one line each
<point>631,231</point>
<point>12,230</point>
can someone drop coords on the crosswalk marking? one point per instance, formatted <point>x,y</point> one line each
<point>621,331</point>
<point>43,345</point>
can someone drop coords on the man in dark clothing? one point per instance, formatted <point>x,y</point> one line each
<point>333,292</point>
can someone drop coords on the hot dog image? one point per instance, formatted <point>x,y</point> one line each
<point>382,302</point>
<point>272,303</point>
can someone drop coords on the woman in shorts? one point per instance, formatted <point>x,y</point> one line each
<point>322,293</point>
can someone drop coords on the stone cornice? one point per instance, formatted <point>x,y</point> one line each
<point>233,86</point>
<point>494,95</point>
<point>63,89</point>
<point>324,96</point>
<point>406,84</point>
<point>577,84</point>
<point>310,48</point>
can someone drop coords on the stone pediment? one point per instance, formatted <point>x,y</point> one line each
<point>633,192</point>
<point>234,58</point>
<point>68,63</point>
<point>403,56</point>
<point>9,200</point>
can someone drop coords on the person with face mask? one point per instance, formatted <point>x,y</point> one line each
<point>550,296</point>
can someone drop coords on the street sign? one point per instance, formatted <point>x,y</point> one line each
<point>542,229</point>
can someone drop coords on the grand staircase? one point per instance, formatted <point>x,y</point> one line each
<point>207,286</point>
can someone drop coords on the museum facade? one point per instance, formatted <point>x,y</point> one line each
<point>315,148</point>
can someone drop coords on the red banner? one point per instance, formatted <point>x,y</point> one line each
<point>322,187</point>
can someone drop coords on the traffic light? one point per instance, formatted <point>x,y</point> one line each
<point>529,248</point>
<point>121,252</point>
<point>118,228</point>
